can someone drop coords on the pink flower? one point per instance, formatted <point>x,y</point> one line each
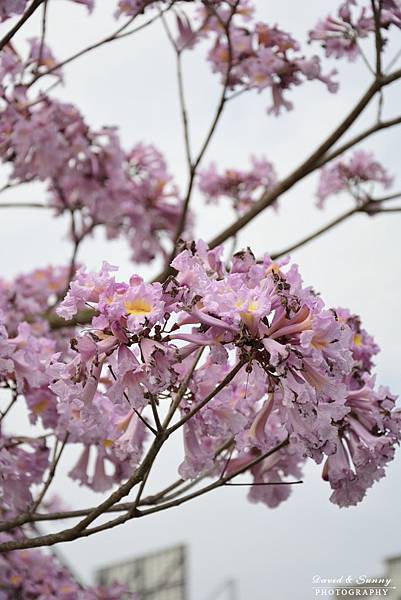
<point>241,187</point>
<point>352,175</point>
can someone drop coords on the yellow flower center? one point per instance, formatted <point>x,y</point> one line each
<point>318,343</point>
<point>40,406</point>
<point>139,306</point>
<point>357,340</point>
<point>253,307</point>
<point>273,268</point>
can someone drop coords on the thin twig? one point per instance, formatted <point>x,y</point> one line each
<point>219,111</point>
<point>155,412</point>
<point>358,138</point>
<point>43,35</point>
<point>168,493</point>
<point>263,483</point>
<point>24,205</point>
<point>181,93</point>
<point>80,530</point>
<point>309,165</point>
<point>379,211</point>
<point>119,34</point>
<point>9,407</point>
<point>138,414</point>
<point>394,196</point>
<point>378,36</point>
<point>229,377</point>
<point>181,390</point>
<point>393,61</point>
<point>52,472</point>
<point>316,233</point>
<point>30,517</point>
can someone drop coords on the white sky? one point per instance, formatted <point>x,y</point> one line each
<point>271,553</point>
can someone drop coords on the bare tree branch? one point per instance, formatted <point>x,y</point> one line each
<point>309,165</point>
<point>376,8</point>
<point>316,233</point>
<point>79,532</point>
<point>370,207</point>
<point>358,138</point>
<point>52,472</point>
<point>24,205</point>
<point>219,111</point>
<point>229,377</point>
<point>27,14</point>
<point>119,34</point>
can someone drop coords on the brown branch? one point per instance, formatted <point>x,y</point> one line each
<point>378,36</point>
<point>394,60</point>
<point>181,391</point>
<point>27,14</point>
<point>318,158</point>
<point>220,482</point>
<point>83,318</point>
<point>30,517</point>
<point>181,93</point>
<point>209,397</point>
<point>24,205</point>
<point>219,111</point>
<point>9,407</point>
<point>80,529</point>
<point>316,233</point>
<point>76,239</point>
<point>43,35</point>
<point>52,472</point>
<point>379,211</point>
<point>263,483</point>
<point>138,414</point>
<point>155,412</point>
<point>370,207</point>
<point>65,536</point>
<point>394,196</point>
<point>168,493</point>
<point>358,138</point>
<point>309,165</point>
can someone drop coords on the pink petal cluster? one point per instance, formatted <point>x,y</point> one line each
<point>258,56</point>
<point>355,174</point>
<point>303,374</point>
<point>135,7</point>
<point>354,20</point>
<point>37,574</point>
<point>87,172</point>
<point>371,429</point>
<point>241,187</point>
<point>10,8</point>
<point>29,296</point>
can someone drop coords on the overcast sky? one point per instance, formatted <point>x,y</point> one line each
<point>272,554</point>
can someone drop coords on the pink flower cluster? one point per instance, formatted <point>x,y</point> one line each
<point>257,56</point>
<point>241,187</point>
<point>301,371</point>
<point>355,175</point>
<point>362,451</point>
<point>28,297</point>
<point>10,8</point>
<point>135,7</point>
<point>36,574</point>
<point>340,35</point>
<point>87,172</point>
